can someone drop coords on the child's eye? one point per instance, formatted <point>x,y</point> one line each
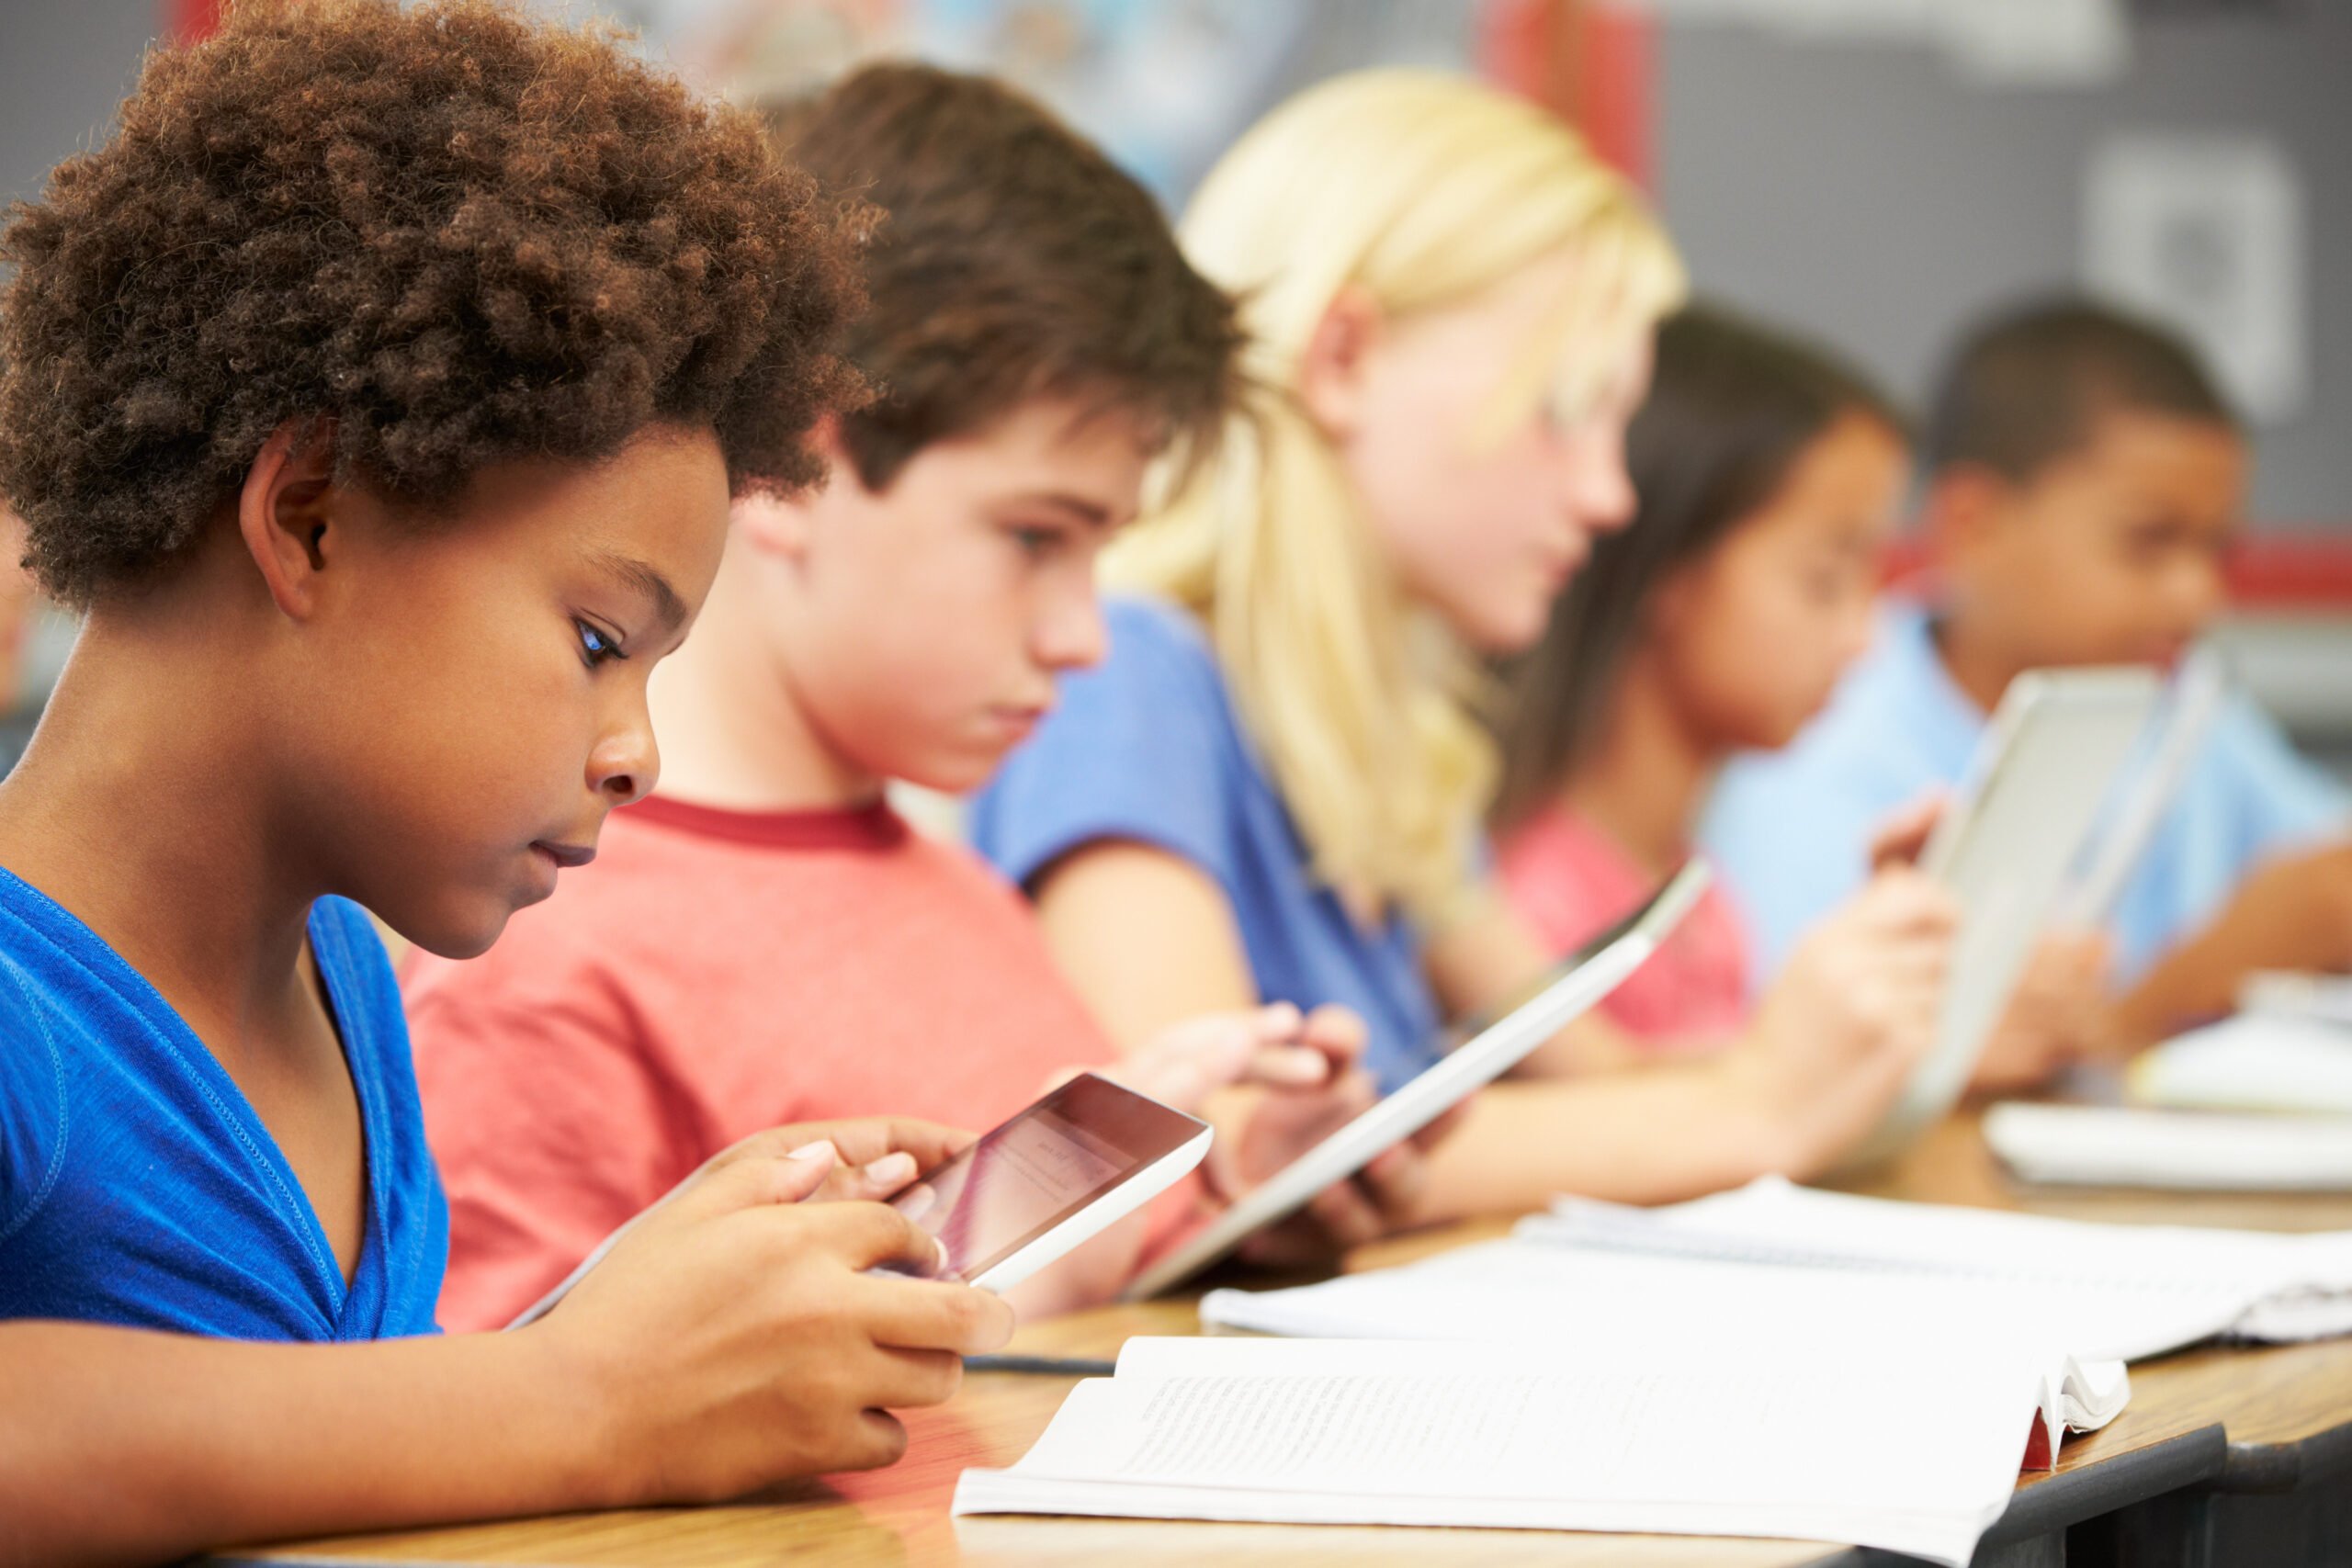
<point>1038,542</point>
<point>596,645</point>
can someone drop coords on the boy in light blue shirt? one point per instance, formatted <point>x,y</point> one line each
<point>2084,482</point>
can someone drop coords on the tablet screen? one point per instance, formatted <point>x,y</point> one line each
<point>1081,1141</point>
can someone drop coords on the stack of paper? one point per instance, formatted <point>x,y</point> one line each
<point>2104,1146</point>
<point>1703,1437</point>
<point>1783,1260</point>
<point>2260,1060</point>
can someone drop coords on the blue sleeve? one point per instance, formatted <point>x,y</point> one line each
<point>2290,802</point>
<point>1141,747</point>
<point>32,1104</point>
<point>2251,795</point>
<point>1791,842</point>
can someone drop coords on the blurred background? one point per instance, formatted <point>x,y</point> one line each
<point>1876,172</point>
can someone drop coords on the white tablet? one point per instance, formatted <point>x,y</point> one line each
<point>2192,701</point>
<point>1567,990</point>
<point>2050,758</point>
<point>1052,1176</point>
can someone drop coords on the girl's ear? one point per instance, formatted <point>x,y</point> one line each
<point>285,514</point>
<point>1331,370</point>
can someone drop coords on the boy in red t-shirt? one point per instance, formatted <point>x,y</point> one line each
<point>765,940</point>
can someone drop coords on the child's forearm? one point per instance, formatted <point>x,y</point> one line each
<point>124,1446</point>
<point>1671,1130</point>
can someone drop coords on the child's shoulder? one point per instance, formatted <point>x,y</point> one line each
<point>1154,641</point>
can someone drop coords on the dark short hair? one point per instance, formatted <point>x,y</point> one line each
<point>2027,385</point>
<point>461,234</point>
<point>1013,260</point>
<point>1731,407</point>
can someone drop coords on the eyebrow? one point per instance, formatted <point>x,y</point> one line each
<point>668,608</point>
<point>1086,511</point>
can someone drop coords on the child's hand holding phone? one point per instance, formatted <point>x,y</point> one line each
<point>735,1338</point>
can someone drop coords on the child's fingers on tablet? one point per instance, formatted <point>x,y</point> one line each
<point>864,1139</point>
<point>877,1439</point>
<point>1397,1179</point>
<point>1347,1215</point>
<point>748,1181</point>
<point>877,1180</point>
<point>935,1315</point>
<point>1442,1127</point>
<point>1339,1032</point>
<point>1289,1067</point>
<point>874,1235</point>
<point>907,1379</point>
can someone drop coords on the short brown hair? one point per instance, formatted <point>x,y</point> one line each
<point>2025,386</point>
<point>463,235</point>
<point>1013,261</point>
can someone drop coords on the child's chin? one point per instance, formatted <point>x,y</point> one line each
<point>459,935</point>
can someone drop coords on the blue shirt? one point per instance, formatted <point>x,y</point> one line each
<point>137,1185</point>
<point>1148,747</point>
<point>1792,829</point>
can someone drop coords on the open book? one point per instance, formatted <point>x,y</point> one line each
<point>1695,1439</point>
<point>2266,1058</point>
<point>1784,1260</point>
<point>2099,1146</point>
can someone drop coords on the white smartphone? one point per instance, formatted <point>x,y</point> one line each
<point>1569,989</point>
<point>1053,1176</point>
<point>2049,760</point>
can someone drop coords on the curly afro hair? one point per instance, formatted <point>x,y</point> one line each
<point>459,234</point>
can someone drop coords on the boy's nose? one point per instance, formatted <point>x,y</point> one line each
<point>1072,635</point>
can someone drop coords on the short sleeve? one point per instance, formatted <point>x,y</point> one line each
<point>2251,796</point>
<point>32,1104</point>
<point>1143,747</point>
<point>1791,838</point>
<point>2289,801</point>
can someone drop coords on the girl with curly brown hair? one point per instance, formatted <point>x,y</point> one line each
<point>378,391</point>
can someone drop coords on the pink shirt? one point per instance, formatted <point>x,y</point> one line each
<point>713,974</point>
<point>1568,881</point>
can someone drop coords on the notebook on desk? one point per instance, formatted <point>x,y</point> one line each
<point>1882,1273</point>
<point>2259,1060</point>
<point>1703,1438</point>
<point>2194,1151</point>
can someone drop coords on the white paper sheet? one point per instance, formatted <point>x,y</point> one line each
<point>2256,1061</point>
<point>1681,1439</point>
<point>2087,1145</point>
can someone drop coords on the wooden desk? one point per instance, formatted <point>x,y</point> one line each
<point>2202,1425</point>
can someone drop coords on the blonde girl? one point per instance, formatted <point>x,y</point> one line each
<point>1271,789</point>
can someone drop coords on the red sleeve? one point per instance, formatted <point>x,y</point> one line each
<point>552,1125</point>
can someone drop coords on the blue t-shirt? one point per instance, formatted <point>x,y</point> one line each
<point>1149,748</point>
<point>137,1185</point>
<point>1792,829</point>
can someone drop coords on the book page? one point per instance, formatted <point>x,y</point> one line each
<point>1723,1444</point>
<point>1623,1295</point>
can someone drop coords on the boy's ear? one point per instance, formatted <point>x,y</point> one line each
<point>779,525</point>
<point>774,524</point>
<point>1961,510</point>
<point>285,512</point>
<point>1331,370</point>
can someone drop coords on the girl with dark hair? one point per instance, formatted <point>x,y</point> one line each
<point>1768,475</point>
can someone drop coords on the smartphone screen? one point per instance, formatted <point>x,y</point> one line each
<point>1079,1143</point>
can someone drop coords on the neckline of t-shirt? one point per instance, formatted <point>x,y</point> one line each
<point>874,826</point>
<point>80,944</point>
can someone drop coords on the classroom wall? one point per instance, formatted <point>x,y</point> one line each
<point>1864,189</point>
<point>63,66</point>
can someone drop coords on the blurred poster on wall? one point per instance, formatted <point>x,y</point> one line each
<point>2206,233</point>
<point>1990,43</point>
<point>1165,85</point>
